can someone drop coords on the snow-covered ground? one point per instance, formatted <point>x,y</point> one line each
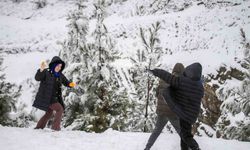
<point>30,139</point>
<point>28,35</point>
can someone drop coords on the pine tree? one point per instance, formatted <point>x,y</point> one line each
<point>145,84</point>
<point>8,97</point>
<point>235,120</point>
<point>99,102</point>
<point>74,52</point>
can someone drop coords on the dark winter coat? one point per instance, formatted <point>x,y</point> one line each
<point>50,87</point>
<point>162,107</point>
<point>185,92</point>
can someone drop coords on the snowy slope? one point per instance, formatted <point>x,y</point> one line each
<point>27,36</point>
<point>210,36</point>
<point>24,26</point>
<point>29,139</point>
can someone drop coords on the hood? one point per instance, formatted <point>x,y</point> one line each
<point>193,71</point>
<point>178,69</point>
<point>57,60</point>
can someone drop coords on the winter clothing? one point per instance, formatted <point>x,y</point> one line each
<point>187,137</point>
<point>186,92</point>
<point>162,120</point>
<point>72,84</point>
<point>56,74</point>
<point>162,108</point>
<point>164,113</point>
<point>49,96</point>
<point>50,87</point>
<point>57,60</point>
<point>57,107</point>
<point>184,98</point>
<point>57,95</point>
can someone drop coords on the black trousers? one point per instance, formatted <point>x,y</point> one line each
<point>162,120</point>
<point>187,140</point>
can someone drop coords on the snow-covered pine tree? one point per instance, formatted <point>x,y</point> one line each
<point>146,84</point>
<point>98,102</point>
<point>76,55</point>
<point>245,104</point>
<point>110,99</point>
<point>235,120</point>
<point>8,97</point>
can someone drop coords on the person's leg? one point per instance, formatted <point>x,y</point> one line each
<point>184,146</point>
<point>175,121</point>
<point>160,123</point>
<point>43,121</point>
<point>187,136</point>
<point>50,121</point>
<point>58,116</point>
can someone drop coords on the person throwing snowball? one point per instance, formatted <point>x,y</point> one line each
<point>49,96</point>
<point>184,98</point>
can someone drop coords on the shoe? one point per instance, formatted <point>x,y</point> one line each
<point>55,129</point>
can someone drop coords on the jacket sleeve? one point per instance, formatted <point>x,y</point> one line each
<point>65,81</point>
<point>167,77</point>
<point>40,76</point>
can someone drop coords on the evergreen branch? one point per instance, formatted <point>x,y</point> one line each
<point>143,38</point>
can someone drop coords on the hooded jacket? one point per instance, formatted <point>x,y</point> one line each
<point>50,86</point>
<point>185,93</point>
<point>162,107</point>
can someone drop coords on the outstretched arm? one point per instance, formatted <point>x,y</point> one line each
<point>167,77</point>
<point>67,83</point>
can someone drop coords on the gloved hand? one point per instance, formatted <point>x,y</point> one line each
<point>72,84</point>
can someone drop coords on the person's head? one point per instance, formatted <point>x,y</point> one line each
<point>193,71</point>
<point>178,69</point>
<point>58,67</point>
<point>56,64</point>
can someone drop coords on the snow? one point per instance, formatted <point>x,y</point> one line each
<point>28,139</point>
<point>209,36</point>
<point>24,65</point>
<point>48,26</point>
<point>41,32</point>
<point>201,35</point>
<point>35,35</point>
